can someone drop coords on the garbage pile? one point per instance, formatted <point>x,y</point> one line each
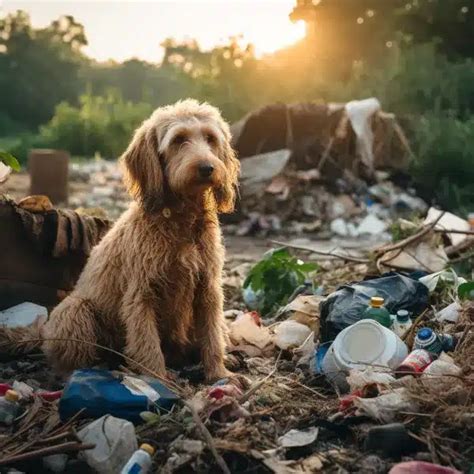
<point>350,369</point>
<point>316,168</point>
<point>103,193</point>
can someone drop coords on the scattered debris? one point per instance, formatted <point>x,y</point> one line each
<point>319,177</point>
<point>297,438</point>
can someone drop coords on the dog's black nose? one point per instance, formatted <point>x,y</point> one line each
<point>205,170</point>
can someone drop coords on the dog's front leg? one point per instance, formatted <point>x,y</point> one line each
<point>143,343</point>
<point>209,316</point>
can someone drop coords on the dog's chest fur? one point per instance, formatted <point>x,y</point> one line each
<point>178,280</point>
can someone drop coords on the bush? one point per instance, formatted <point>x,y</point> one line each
<point>99,124</point>
<point>444,166</point>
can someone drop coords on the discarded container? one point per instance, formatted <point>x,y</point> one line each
<point>402,322</point>
<point>115,441</point>
<point>141,460</point>
<point>378,312</point>
<point>9,407</point>
<point>49,174</point>
<point>346,305</point>
<point>101,392</point>
<point>427,339</point>
<point>448,342</point>
<point>364,344</point>
<point>415,363</point>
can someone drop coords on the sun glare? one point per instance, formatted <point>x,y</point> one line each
<point>270,39</point>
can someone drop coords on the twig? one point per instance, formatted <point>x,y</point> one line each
<point>408,334</point>
<point>257,385</point>
<point>128,359</point>
<point>455,231</point>
<point>71,446</point>
<point>312,390</point>
<point>409,240</point>
<point>319,252</point>
<point>208,438</point>
<point>57,437</point>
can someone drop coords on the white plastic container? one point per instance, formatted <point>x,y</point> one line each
<point>140,462</point>
<point>115,441</point>
<point>364,344</point>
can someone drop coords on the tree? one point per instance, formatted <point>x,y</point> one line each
<point>38,67</point>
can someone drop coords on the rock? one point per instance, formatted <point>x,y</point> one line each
<point>392,439</point>
<point>371,225</point>
<point>56,462</point>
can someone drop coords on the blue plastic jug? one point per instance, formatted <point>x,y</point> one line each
<point>102,392</point>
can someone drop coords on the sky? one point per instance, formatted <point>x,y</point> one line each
<point>119,30</point>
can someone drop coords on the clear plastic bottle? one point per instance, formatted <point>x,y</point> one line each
<point>378,312</point>
<point>9,407</point>
<point>402,322</point>
<point>140,462</point>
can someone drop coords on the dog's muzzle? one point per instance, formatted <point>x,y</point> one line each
<point>205,170</point>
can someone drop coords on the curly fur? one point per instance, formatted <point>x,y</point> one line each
<point>152,287</point>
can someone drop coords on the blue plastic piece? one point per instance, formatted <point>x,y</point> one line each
<point>424,334</point>
<point>321,352</point>
<point>101,392</point>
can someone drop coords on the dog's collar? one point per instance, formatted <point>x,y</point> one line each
<point>166,212</point>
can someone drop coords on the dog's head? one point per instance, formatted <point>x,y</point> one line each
<point>182,151</point>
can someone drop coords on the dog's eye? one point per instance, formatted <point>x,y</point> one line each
<point>179,139</point>
<point>211,138</point>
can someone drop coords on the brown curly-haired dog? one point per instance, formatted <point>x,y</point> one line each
<point>152,286</point>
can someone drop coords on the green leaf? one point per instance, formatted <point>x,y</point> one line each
<point>276,277</point>
<point>308,267</point>
<point>10,160</point>
<point>466,291</point>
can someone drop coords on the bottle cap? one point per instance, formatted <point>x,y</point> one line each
<point>424,334</point>
<point>12,396</point>
<point>403,315</point>
<point>376,301</point>
<point>148,448</point>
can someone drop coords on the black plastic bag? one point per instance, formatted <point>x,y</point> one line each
<point>347,305</point>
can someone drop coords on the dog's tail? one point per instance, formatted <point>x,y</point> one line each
<point>21,340</point>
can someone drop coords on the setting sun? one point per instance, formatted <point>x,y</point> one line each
<point>269,39</point>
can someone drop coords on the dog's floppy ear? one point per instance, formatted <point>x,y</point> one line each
<point>225,195</point>
<point>143,173</point>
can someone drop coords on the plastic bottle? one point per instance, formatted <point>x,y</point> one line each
<point>448,342</point>
<point>9,407</point>
<point>140,462</point>
<point>378,312</point>
<point>402,322</point>
<point>427,339</point>
<point>415,363</point>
